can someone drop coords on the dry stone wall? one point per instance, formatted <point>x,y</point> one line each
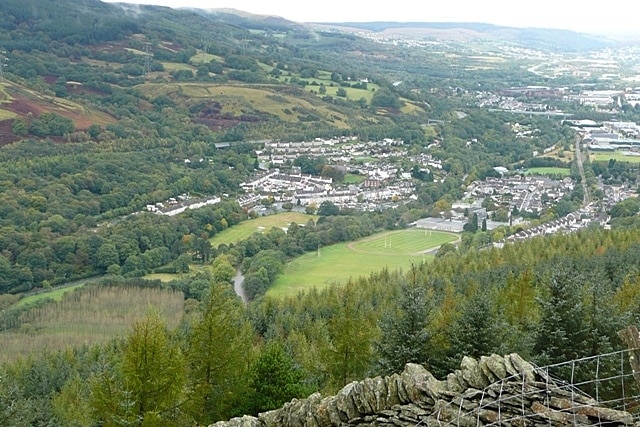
<point>495,390</point>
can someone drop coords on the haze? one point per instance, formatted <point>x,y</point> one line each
<point>614,17</point>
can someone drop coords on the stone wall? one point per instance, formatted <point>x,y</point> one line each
<point>495,390</point>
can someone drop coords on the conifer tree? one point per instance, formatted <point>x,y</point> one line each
<point>219,353</point>
<point>143,384</point>
<point>404,331</point>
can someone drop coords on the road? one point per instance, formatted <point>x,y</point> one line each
<point>238,288</point>
<point>583,179</point>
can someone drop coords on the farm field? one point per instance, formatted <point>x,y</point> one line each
<point>549,171</point>
<point>91,315</point>
<point>247,228</point>
<point>338,263</point>
<point>615,155</point>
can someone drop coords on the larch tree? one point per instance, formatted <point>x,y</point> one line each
<point>219,348</point>
<point>144,384</point>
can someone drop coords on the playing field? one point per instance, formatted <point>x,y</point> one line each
<point>247,228</point>
<point>549,171</point>
<point>337,263</point>
<point>615,155</point>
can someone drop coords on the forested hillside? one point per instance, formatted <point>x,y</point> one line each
<point>550,299</point>
<point>109,109</point>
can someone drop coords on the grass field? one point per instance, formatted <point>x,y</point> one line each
<point>247,228</point>
<point>53,295</point>
<point>353,179</point>
<point>549,171</point>
<point>616,155</point>
<point>337,263</point>
<point>87,316</point>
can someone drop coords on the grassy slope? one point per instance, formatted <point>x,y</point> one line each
<point>247,228</point>
<point>237,100</point>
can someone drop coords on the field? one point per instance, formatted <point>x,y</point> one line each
<point>247,228</point>
<point>337,263</point>
<point>615,155</point>
<point>53,295</point>
<point>87,316</point>
<point>549,171</point>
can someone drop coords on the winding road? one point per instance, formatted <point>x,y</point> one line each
<point>583,179</point>
<point>238,288</point>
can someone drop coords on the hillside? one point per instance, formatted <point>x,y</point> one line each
<point>235,74</point>
<point>132,138</point>
<point>99,63</point>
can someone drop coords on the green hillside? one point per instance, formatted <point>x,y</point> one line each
<point>141,145</point>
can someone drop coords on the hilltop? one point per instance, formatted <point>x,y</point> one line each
<point>239,75</point>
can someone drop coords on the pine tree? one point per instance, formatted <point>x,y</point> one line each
<point>275,379</point>
<point>475,332</point>
<point>404,334</point>
<point>562,329</point>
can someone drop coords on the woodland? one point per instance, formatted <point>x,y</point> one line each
<point>100,106</point>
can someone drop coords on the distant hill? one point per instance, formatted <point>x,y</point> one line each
<point>533,38</point>
<point>98,63</point>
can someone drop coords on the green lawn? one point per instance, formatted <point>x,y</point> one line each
<point>337,263</point>
<point>53,295</point>
<point>549,171</point>
<point>404,242</point>
<point>351,178</point>
<point>247,228</point>
<point>615,155</point>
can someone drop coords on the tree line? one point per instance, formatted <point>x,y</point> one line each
<point>550,299</point>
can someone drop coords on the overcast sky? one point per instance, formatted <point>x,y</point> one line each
<point>605,17</point>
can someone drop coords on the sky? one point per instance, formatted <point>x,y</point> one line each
<point>613,17</point>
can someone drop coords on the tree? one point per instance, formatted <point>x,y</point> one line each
<point>144,385</point>
<point>351,333</point>
<point>218,353</point>
<point>404,334</point>
<point>222,270</point>
<point>562,330</point>
<point>328,208</point>
<point>182,263</point>
<point>475,332</point>
<point>386,99</point>
<point>20,126</point>
<point>275,379</point>
<point>287,206</point>
<point>627,207</point>
<point>107,255</point>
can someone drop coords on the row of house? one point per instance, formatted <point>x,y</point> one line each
<point>569,223</point>
<point>336,150</point>
<point>177,206</point>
